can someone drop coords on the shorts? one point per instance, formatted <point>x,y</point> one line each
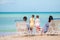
<point>38,28</point>
<point>31,28</point>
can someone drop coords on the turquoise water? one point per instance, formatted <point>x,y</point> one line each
<point>8,19</point>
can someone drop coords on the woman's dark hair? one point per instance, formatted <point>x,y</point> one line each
<point>25,18</point>
<point>37,16</point>
<point>50,18</point>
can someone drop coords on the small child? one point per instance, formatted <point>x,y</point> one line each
<point>37,23</point>
<point>32,23</point>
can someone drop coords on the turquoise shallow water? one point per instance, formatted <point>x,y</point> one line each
<point>8,19</point>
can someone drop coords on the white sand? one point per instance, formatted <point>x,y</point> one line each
<point>37,37</point>
<point>17,37</point>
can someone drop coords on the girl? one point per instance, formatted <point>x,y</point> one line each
<point>37,23</point>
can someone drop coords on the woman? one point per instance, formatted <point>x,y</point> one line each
<point>51,25</point>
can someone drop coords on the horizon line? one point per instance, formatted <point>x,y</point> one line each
<point>28,12</point>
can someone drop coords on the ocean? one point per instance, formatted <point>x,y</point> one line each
<point>8,19</point>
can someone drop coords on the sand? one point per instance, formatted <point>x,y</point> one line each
<point>34,37</point>
<point>30,37</point>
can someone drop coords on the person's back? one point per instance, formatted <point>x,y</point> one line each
<point>32,21</point>
<point>25,24</point>
<point>52,26</point>
<point>37,23</point>
<point>52,23</point>
<point>31,24</point>
<point>21,26</point>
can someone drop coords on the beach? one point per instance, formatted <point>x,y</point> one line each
<point>47,36</point>
<point>36,37</point>
<point>8,25</point>
<point>29,19</point>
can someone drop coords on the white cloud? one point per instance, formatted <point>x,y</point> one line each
<point>7,1</point>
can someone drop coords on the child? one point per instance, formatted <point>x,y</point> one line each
<point>31,23</point>
<point>37,23</point>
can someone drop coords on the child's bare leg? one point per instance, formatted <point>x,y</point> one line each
<point>31,30</point>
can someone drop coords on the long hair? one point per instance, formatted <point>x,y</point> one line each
<point>50,18</point>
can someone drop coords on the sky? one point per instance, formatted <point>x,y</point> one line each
<point>29,5</point>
